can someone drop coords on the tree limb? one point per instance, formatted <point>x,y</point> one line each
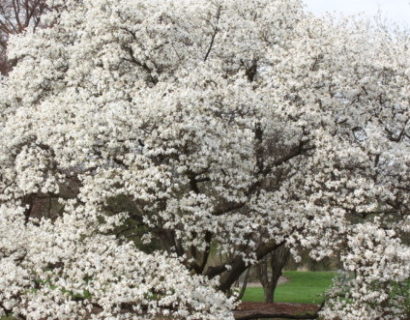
<point>218,14</point>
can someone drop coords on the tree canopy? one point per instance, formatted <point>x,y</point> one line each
<point>238,126</point>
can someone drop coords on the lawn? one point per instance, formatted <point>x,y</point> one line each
<point>302,287</point>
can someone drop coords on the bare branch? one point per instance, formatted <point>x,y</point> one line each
<point>218,14</point>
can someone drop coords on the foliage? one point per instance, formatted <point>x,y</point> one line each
<point>402,290</point>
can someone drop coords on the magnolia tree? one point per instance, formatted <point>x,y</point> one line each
<point>189,127</point>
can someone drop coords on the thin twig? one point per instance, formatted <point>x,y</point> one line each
<point>218,14</point>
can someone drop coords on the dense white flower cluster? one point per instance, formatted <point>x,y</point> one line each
<point>64,269</point>
<point>236,126</point>
<point>379,263</point>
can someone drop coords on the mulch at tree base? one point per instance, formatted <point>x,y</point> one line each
<point>248,308</point>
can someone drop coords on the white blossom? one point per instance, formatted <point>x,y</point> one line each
<point>236,125</point>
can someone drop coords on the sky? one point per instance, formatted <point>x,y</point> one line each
<point>396,11</point>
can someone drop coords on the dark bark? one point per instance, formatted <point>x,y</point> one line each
<point>270,269</point>
<point>218,14</point>
<point>237,267</point>
<point>244,284</point>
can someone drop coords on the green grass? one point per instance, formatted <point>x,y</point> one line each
<point>302,287</point>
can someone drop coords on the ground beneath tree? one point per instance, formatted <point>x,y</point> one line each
<point>249,308</point>
<point>257,284</point>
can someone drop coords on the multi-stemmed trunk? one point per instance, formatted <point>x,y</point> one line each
<point>269,271</point>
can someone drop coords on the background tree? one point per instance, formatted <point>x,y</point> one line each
<point>15,17</point>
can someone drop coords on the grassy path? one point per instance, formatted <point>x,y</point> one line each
<point>302,287</point>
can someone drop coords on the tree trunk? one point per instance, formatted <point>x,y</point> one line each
<point>244,284</point>
<point>269,271</point>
